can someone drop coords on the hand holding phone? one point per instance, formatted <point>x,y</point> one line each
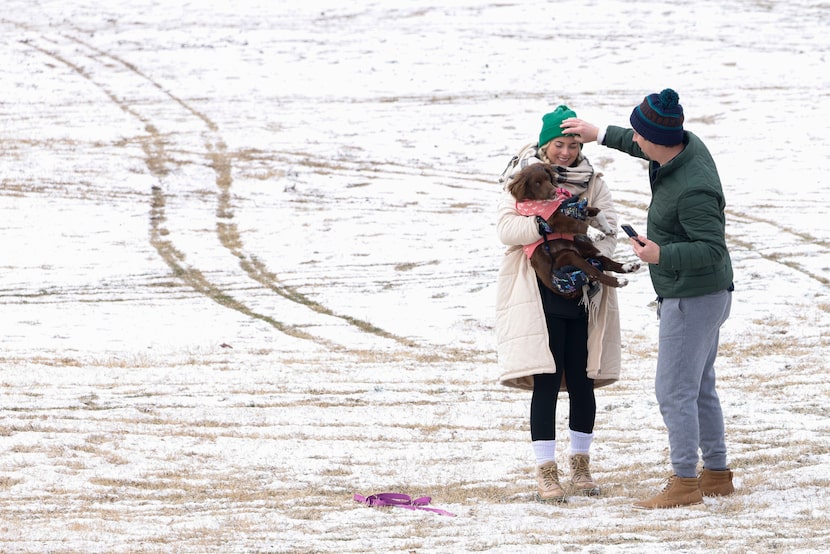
<point>629,230</point>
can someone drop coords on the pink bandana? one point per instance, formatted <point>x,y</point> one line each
<point>544,209</point>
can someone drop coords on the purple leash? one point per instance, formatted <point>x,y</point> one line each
<point>385,499</point>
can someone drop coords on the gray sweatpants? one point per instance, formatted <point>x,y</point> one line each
<point>685,380</point>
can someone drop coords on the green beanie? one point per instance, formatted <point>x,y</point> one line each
<point>551,124</point>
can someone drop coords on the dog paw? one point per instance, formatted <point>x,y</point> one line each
<point>631,267</point>
<point>603,225</point>
<point>595,235</point>
<point>621,282</point>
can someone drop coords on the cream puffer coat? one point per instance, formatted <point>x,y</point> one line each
<point>521,331</point>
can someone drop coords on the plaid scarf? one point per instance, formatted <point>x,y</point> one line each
<point>578,176</point>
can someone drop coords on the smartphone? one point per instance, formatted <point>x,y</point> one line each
<point>629,230</point>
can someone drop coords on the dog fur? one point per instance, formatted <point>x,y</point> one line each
<point>538,182</point>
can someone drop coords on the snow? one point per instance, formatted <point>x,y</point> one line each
<point>249,259</point>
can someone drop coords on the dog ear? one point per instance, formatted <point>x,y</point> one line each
<point>517,185</point>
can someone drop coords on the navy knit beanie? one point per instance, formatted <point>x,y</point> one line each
<point>659,118</point>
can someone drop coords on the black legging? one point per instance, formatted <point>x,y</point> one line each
<point>568,342</point>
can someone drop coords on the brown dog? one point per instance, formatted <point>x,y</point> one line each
<point>535,191</point>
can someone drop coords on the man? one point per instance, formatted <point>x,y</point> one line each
<point>691,272</point>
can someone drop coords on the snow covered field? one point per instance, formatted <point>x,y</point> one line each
<point>248,264</point>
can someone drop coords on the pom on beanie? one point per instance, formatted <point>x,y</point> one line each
<point>659,118</point>
<point>551,124</point>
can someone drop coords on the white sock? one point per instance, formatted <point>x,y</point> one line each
<point>581,442</point>
<point>545,451</point>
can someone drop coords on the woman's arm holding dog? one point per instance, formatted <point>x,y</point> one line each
<point>515,229</point>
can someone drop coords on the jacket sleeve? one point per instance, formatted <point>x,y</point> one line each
<point>601,198</point>
<point>620,138</point>
<point>515,229</point>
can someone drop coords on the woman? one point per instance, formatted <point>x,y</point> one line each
<point>547,342</point>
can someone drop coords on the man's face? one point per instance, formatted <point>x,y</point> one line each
<point>646,146</point>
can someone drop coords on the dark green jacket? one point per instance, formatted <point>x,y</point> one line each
<point>685,217</point>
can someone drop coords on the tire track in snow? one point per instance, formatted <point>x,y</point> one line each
<point>809,247</point>
<point>158,160</point>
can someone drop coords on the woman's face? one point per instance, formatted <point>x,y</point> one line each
<point>563,151</point>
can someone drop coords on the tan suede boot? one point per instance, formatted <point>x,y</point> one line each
<point>581,479</point>
<point>716,483</point>
<point>679,491</point>
<point>547,475</point>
